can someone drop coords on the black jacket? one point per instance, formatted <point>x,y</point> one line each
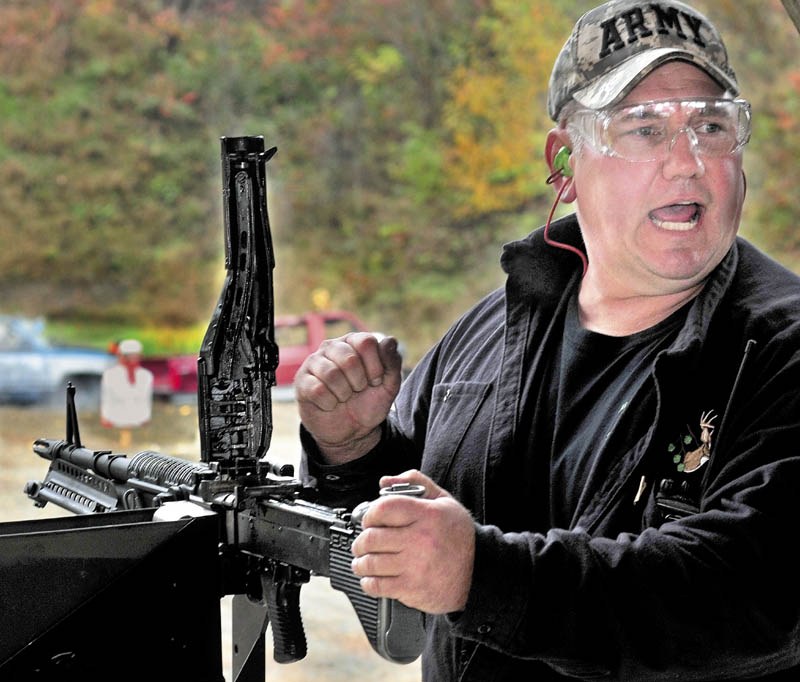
<point>663,574</point>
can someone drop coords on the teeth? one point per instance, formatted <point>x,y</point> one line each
<point>677,227</point>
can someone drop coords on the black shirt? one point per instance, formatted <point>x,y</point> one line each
<point>577,392</point>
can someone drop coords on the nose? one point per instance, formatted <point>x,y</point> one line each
<point>683,156</point>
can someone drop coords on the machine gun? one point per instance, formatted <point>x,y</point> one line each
<point>232,523</point>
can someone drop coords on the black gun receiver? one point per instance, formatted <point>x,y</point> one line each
<point>271,536</point>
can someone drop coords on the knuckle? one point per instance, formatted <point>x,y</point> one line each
<point>327,344</point>
<point>311,391</point>
<point>366,565</point>
<point>373,515</point>
<point>318,393</point>
<point>313,360</point>
<point>303,384</point>
<point>362,340</point>
<point>370,586</point>
<point>385,510</point>
<point>359,337</point>
<point>350,362</point>
<point>328,373</point>
<point>314,364</point>
<point>361,543</point>
<point>335,382</point>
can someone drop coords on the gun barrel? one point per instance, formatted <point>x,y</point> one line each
<point>46,447</point>
<point>85,481</point>
<point>157,468</point>
<point>102,462</point>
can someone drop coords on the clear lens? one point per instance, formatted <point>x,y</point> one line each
<point>648,131</point>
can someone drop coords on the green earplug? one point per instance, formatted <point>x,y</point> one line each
<point>561,162</point>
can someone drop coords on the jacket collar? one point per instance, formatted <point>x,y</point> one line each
<point>541,273</point>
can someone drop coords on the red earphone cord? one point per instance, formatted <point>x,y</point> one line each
<point>552,242</point>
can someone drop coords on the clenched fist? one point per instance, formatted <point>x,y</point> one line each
<point>344,392</point>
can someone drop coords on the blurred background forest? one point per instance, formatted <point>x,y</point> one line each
<point>409,136</point>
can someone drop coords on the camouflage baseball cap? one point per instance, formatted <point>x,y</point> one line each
<point>615,45</point>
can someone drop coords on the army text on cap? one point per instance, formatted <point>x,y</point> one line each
<point>663,20</point>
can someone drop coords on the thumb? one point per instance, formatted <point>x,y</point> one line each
<point>390,358</point>
<point>414,477</point>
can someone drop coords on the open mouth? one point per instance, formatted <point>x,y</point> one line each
<point>677,217</point>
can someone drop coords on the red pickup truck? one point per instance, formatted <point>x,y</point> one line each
<point>297,337</point>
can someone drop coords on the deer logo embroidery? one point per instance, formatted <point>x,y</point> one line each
<point>692,460</point>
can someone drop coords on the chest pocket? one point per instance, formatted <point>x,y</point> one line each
<point>454,407</point>
<point>680,467</point>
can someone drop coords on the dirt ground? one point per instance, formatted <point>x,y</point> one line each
<point>337,647</point>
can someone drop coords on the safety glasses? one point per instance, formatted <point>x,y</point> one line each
<point>648,131</point>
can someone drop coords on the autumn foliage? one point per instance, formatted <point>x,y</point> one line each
<point>410,136</point>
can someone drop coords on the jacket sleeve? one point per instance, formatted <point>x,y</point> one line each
<point>714,595</point>
<point>400,448</point>
<point>405,430</point>
<point>346,485</point>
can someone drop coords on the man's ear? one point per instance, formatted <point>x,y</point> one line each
<point>557,140</point>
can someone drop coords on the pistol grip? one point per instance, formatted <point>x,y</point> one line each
<point>282,593</point>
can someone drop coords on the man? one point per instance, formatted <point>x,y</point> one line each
<point>610,459</point>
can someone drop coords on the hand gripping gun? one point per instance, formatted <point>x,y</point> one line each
<point>270,536</point>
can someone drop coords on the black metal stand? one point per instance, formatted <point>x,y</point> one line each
<point>110,597</point>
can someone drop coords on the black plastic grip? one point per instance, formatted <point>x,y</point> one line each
<point>283,607</point>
